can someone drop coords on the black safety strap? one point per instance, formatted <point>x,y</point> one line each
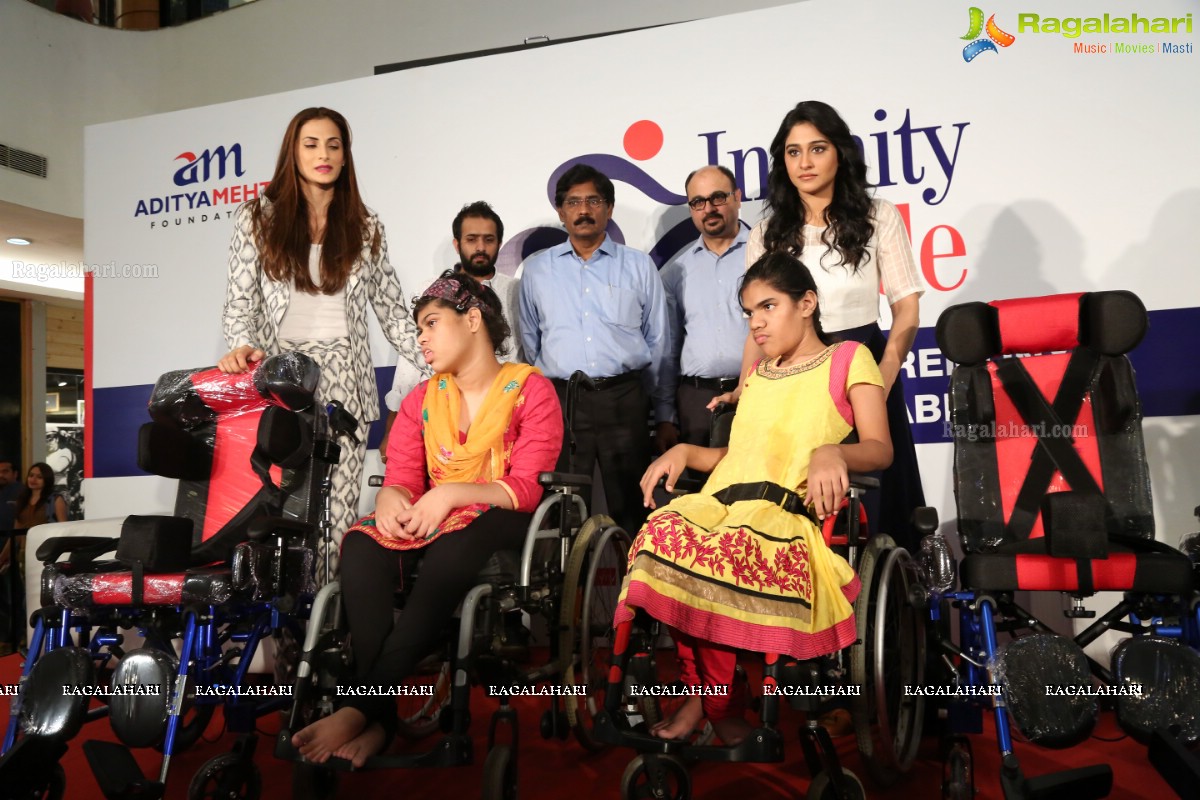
<point>137,589</point>
<point>1053,453</point>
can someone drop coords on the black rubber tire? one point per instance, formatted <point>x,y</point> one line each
<point>887,722</point>
<point>313,782</point>
<point>226,777</point>
<point>669,780</point>
<point>587,614</point>
<point>57,788</point>
<point>958,772</point>
<point>821,787</point>
<point>500,774</point>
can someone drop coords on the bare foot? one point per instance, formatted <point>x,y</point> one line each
<point>732,730</point>
<point>680,724</point>
<point>318,741</point>
<point>368,743</point>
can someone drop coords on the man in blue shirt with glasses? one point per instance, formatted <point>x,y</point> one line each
<point>708,330</point>
<point>597,306</point>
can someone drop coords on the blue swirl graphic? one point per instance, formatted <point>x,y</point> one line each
<point>618,169</point>
<point>534,240</point>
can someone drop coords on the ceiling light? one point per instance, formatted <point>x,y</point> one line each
<point>17,240</point>
<point>62,383</point>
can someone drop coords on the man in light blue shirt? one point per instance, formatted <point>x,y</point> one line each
<point>708,330</point>
<point>596,306</point>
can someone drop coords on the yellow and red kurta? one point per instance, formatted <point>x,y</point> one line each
<point>751,575</point>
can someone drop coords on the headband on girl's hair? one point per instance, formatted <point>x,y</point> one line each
<point>453,291</point>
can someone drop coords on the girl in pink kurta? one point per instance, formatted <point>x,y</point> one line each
<point>463,460</point>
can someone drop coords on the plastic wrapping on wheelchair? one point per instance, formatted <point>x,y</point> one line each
<point>1048,688</point>
<point>1167,672</point>
<point>203,585</point>
<point>254,570</point>
<point>241,445</point>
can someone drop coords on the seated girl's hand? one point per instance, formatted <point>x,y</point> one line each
<point>390,503</point>
<point>424,516</point>
<point>670,465</point>
<point>729,398</point>
<point>828,480</point>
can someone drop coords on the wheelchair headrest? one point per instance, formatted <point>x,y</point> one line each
<point>1111,323</point>
<point>288,380</point>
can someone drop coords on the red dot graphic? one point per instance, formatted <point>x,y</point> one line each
<point>643,140</point>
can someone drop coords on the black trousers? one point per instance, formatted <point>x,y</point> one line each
<point>611,426</point>
<point>694,417</point>
<point>386,653</point>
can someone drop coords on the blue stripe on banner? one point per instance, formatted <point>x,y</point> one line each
<point>1167,389</point>
<point>119,412</point>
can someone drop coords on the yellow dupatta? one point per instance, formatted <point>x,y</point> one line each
<point>483,457</point>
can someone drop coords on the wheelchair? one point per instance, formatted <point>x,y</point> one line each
<point>1053,496</point>
<point>168,629</point>
<point>567,575</point>
<point>888,655</point>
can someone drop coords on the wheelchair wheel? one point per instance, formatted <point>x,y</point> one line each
<point>58,784</point>
<point>958,773</point>
<point>313,782</point>
<point>227,777</point>
<point>596,568</point>
<point>500,774</point>
<point>419,715</point>
<point>888,655</point>
<point>661,778</point>
<point>821,787</point>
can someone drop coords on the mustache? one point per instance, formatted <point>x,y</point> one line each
<point>713,216</point>
<point>584,219</point>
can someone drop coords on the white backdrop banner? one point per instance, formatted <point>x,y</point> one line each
<point>1042,150</point>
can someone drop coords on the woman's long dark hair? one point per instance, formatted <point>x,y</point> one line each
<point>848,225</point>
<point>282,231</point>
<point>25,498</point>
<point>787,274</point>
<point>494,322</point>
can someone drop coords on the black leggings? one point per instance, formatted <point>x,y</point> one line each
<point>386,653</point>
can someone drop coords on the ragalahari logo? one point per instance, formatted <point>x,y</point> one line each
<point>995,36</point>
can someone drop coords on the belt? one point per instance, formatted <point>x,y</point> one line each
<point>786,499</point>
<point>715,384</point>
<point>600,384</point>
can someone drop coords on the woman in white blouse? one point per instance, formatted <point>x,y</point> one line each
<point>819,210</point>
<point>305,261</point>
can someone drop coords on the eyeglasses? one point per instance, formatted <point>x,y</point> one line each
<point>718,199</point>
<point>590,202</point>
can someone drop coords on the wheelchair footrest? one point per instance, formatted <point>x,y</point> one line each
<point>1179,767</point>
<point>118,774</point>
<point>1083,783</point>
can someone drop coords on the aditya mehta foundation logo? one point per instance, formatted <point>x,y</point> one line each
<point>984,37</point>
<point>206,187</point>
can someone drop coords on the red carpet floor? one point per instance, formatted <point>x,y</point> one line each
<point>551,770</point>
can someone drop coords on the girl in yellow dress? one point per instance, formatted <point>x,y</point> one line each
<point>742,564</point>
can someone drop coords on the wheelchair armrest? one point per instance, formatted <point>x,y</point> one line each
<point>863,482</point>
<point>261,528</point>
<point>682,485</point>
<point>375,481</point>
<point>551,479</point>
<point>83,548</point>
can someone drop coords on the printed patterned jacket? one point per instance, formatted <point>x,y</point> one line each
<point>255,305</point>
